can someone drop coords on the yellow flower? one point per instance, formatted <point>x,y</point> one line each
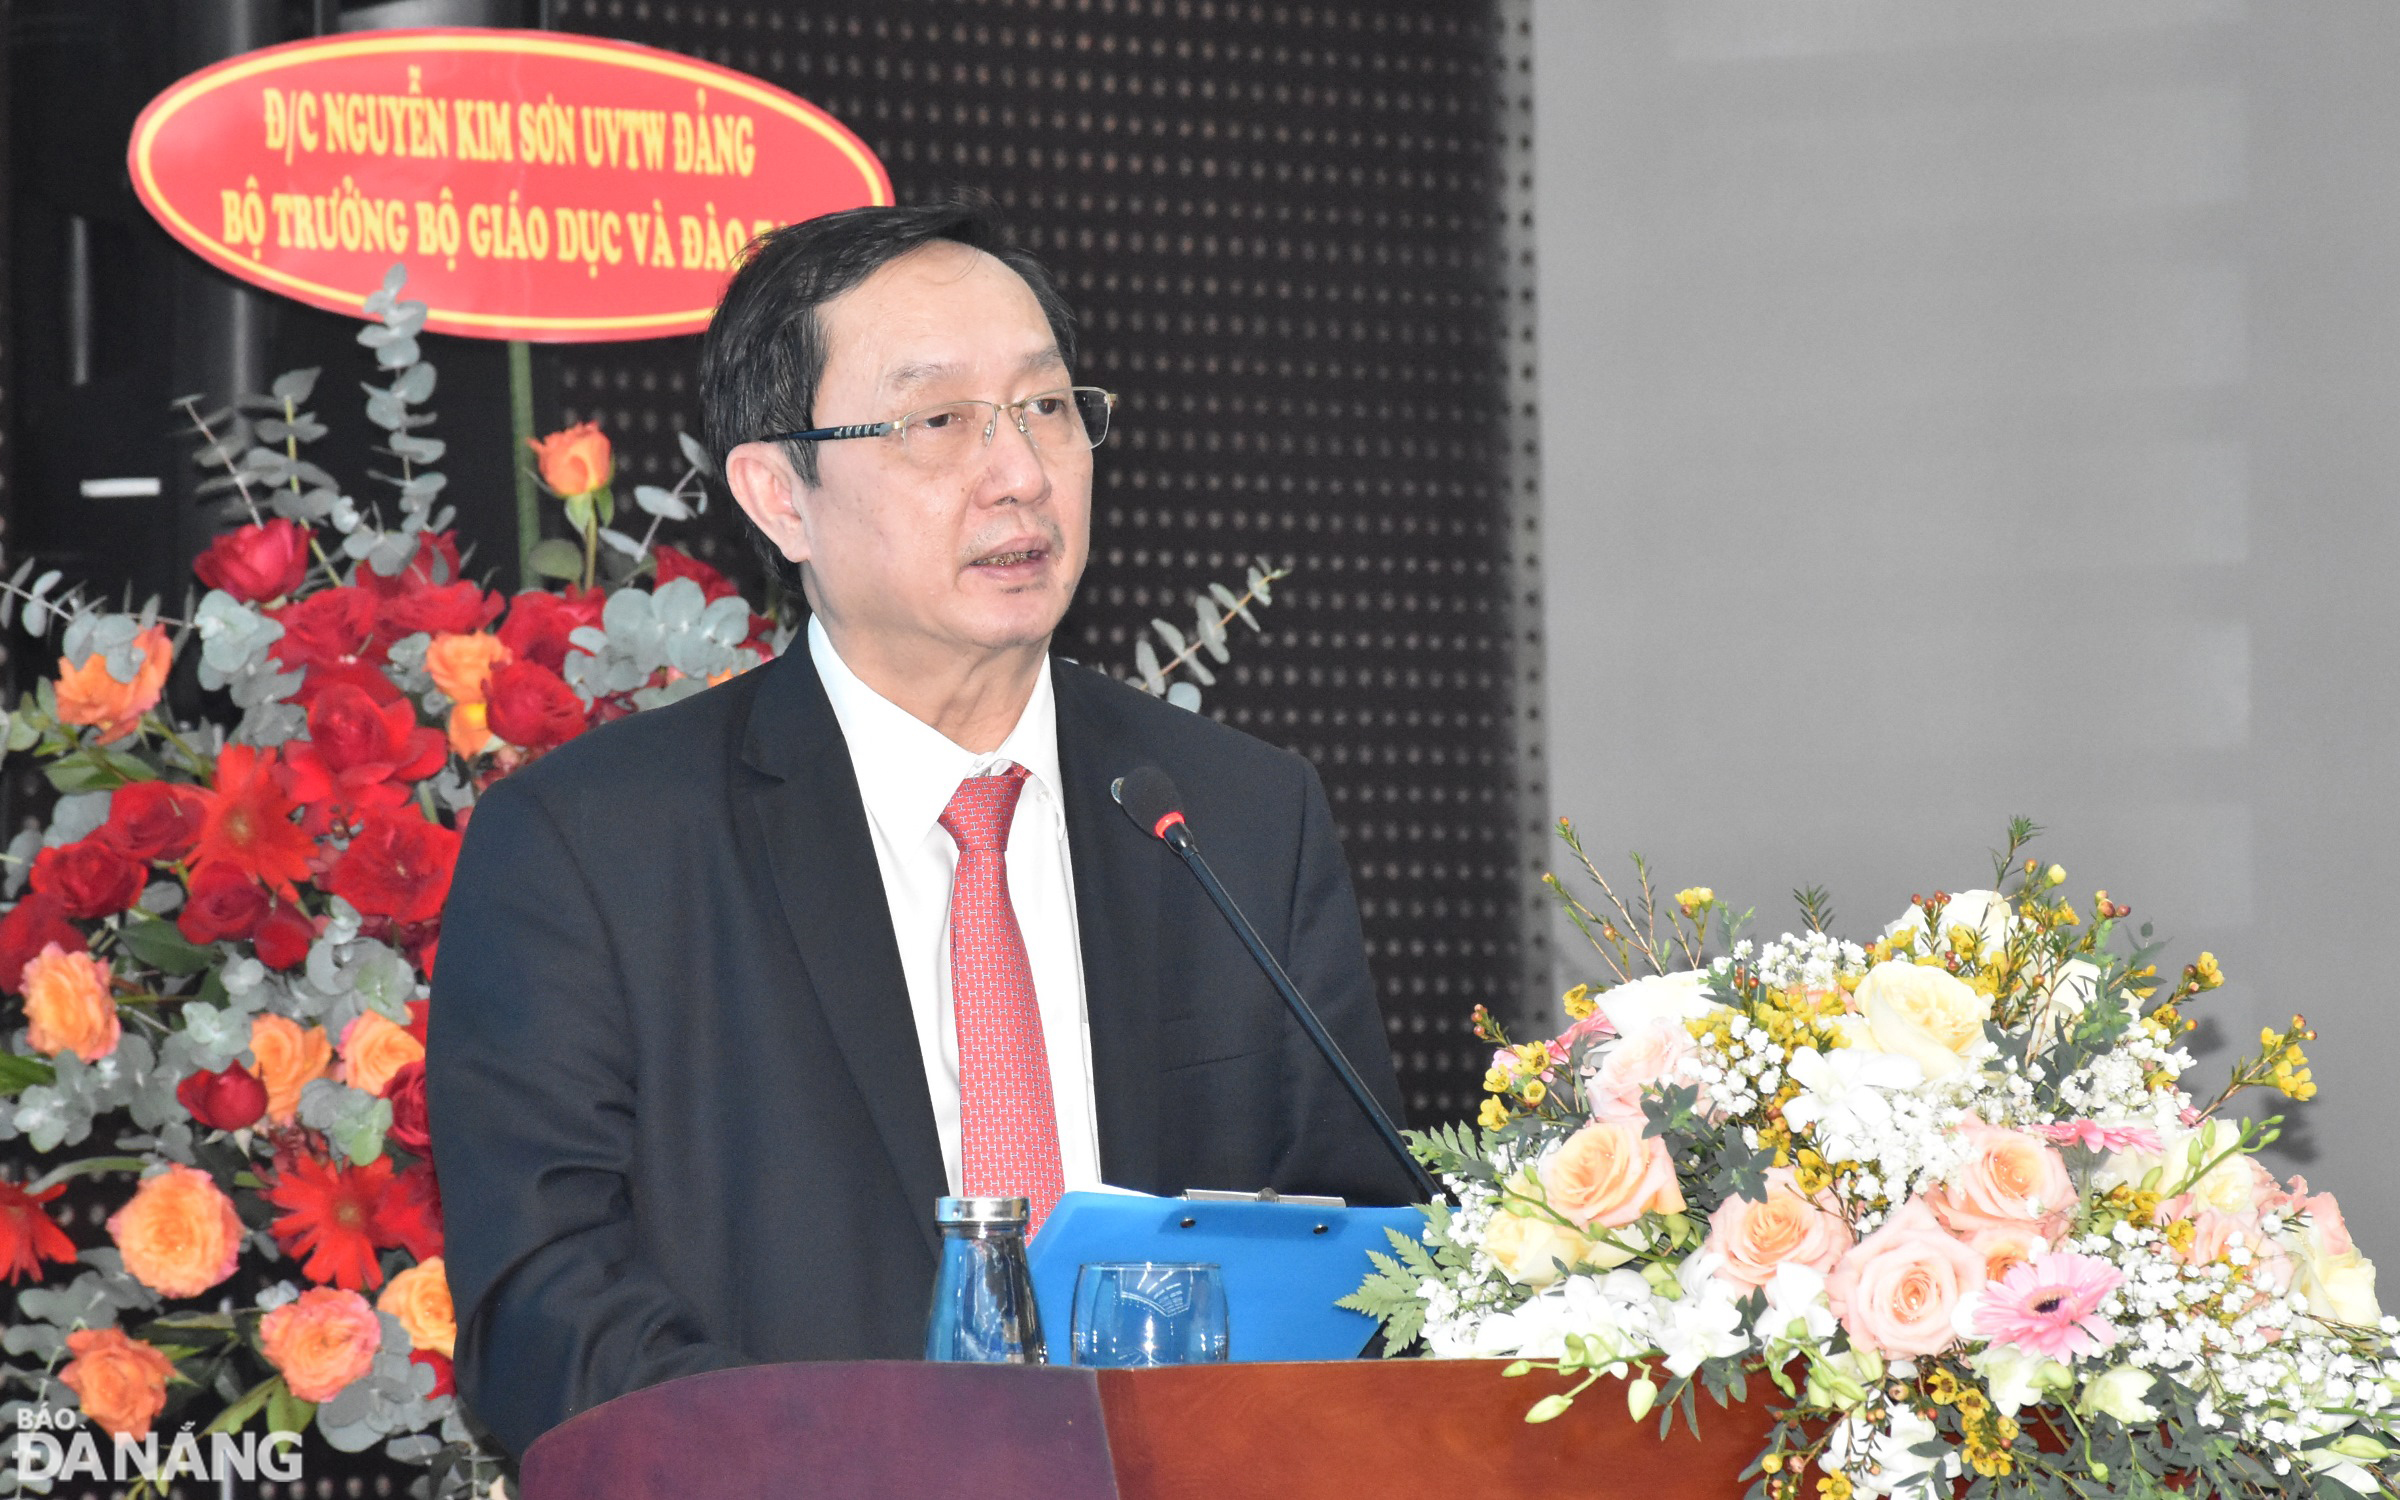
<point>1692,898</point>
<point>2056,875</point>
<point>1536,1091</point>
<point>1497,1080</point>
<point>1493,1115</point>
<point>1579,1002</point>
<point>1834,1486</point>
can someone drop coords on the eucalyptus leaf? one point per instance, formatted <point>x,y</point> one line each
<point>660,502</point>
<point>1184,695</point>
<point>1171,635</point>
<point>1145,665</point>
<point>693,453</point>
<point>619,541</point>
<point>294,386</point>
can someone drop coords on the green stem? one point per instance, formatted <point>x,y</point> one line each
<point>89,1166</point>
<point>520,420</point>
<point>591,550</point>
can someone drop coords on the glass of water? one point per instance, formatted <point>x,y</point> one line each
<point>1131,1314</point>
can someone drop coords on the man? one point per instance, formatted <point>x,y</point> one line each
<point>731,991</point>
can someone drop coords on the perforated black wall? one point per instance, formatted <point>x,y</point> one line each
<point>1284,228</point>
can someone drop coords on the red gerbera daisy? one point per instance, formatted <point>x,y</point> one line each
<point>334,1218</point>
<point>28,1235</point>
<point>249,823</point>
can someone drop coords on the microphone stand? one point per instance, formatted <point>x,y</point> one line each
<point>1178,837</point>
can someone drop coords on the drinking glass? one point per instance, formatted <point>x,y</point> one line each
<point>1133,1314</point>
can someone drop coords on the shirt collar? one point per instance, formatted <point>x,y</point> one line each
<point>908,770</point>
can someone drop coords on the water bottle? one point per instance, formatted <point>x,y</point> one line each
<point>983,1310</point>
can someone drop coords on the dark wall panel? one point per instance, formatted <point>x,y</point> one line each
<point>1282,227</point>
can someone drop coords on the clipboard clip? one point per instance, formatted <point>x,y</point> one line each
<point>1263,1195</point>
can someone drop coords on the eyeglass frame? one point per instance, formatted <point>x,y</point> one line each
<point>899,424</point>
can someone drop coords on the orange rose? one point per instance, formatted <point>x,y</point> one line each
<point>2010,1178</point>
<point>178,1233</point>
<point>287,1058</point>
<point>88,694</point>
<point>321,1342</point>
<point>1757,1237</point>
<point>1608,1173</point>
<point>420,1298</point>
<point>373,1049</point>
<point>470,729</point>
<point>120,1382</point>
<point>460,664</point>
<point>67,1004</point>
<point>576,461</point>
<point>2006,1248</point>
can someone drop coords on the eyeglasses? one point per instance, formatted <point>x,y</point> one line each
<point>1067,420</point>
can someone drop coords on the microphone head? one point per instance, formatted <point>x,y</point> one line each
<point>1149,797</point>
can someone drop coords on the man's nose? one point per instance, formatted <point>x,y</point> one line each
<point>1012,461</point>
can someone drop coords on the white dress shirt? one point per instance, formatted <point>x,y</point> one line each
<point>907,773</point>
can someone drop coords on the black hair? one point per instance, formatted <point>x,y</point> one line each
<point>764,352</point>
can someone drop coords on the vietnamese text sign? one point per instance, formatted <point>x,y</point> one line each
<point>537,185</point>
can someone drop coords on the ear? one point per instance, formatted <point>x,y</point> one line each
<point>770,494</point>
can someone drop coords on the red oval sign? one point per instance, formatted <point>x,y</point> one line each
<point>538,186</point>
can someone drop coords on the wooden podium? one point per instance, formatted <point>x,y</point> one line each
<point>1205,1432</point>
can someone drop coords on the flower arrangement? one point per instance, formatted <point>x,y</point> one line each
<point>1944,1192</point>
<point>221,937</point>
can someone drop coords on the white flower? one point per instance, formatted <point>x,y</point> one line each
<point>2017,1377</point>
<point>1704,1323</point>
<point>2118,1393</point>
<point>1986,913</point>
<point>1843,1095</point>
<point>2077,986</point>
<point>1798,1310</point>
<point>1878,1459</point>
<point>1637,1003</point>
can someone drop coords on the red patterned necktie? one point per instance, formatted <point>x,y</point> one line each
<point>1008,1124</point>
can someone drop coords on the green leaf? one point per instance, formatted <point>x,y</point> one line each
<point>556,558</point>
<point>159,945</point>
<point>96,769</point>
<point>287,1412</point>
<point>19,1073</point>
<point>232,1417</point>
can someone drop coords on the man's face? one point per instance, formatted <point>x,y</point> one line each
<point>978,555</point>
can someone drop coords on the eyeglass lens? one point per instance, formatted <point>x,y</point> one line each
<point>1061,420</point>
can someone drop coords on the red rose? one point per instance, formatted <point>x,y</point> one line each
<point>673,565</point>
<point>410,1215</point>
<point>256,563</point>
<point>531,707</point>
<point>398,866</point>
<point>354,742</point>
<point>154,820</point>
<point>331,625</point>
<point>91,877</point>
<point>223,903</point>
<point>284,937</point>
<point>445,1379</point>
<point>231,1100</point>
<point>364,676</point>
<point>538,624</point>
<point>32,925</point>
<point>407,1093</point>
<point>455,609</point>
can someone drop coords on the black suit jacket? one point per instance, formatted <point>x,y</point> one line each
<point>680,1119</point>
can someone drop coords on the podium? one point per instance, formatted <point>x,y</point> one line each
<point>1201,1432</point>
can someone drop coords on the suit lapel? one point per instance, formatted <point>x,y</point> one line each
<point>1116,916</point>
<point>814,825</point>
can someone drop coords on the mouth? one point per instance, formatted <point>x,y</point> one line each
<point>1017,556</point>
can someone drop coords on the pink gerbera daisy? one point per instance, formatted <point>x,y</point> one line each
<point>2094,1136</point>
<point>2050,1305</point>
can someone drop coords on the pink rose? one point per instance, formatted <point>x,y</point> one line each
<point>1899,1290</point>
<point>1755,1237</point>
<point>2010,1178</point>
<point>1609,1173</point>
<point>2007,1247</point>
<point>1647,1057</point>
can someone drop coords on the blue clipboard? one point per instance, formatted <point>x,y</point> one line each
<point>1285,1264</point>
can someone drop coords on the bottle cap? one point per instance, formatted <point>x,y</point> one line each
<point>995,1211</point>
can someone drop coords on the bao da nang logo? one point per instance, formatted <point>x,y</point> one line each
<point>57,1444</point>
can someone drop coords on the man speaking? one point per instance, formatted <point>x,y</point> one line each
<point>731,991</point>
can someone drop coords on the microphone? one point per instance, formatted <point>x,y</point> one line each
<point>1150,799</point>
